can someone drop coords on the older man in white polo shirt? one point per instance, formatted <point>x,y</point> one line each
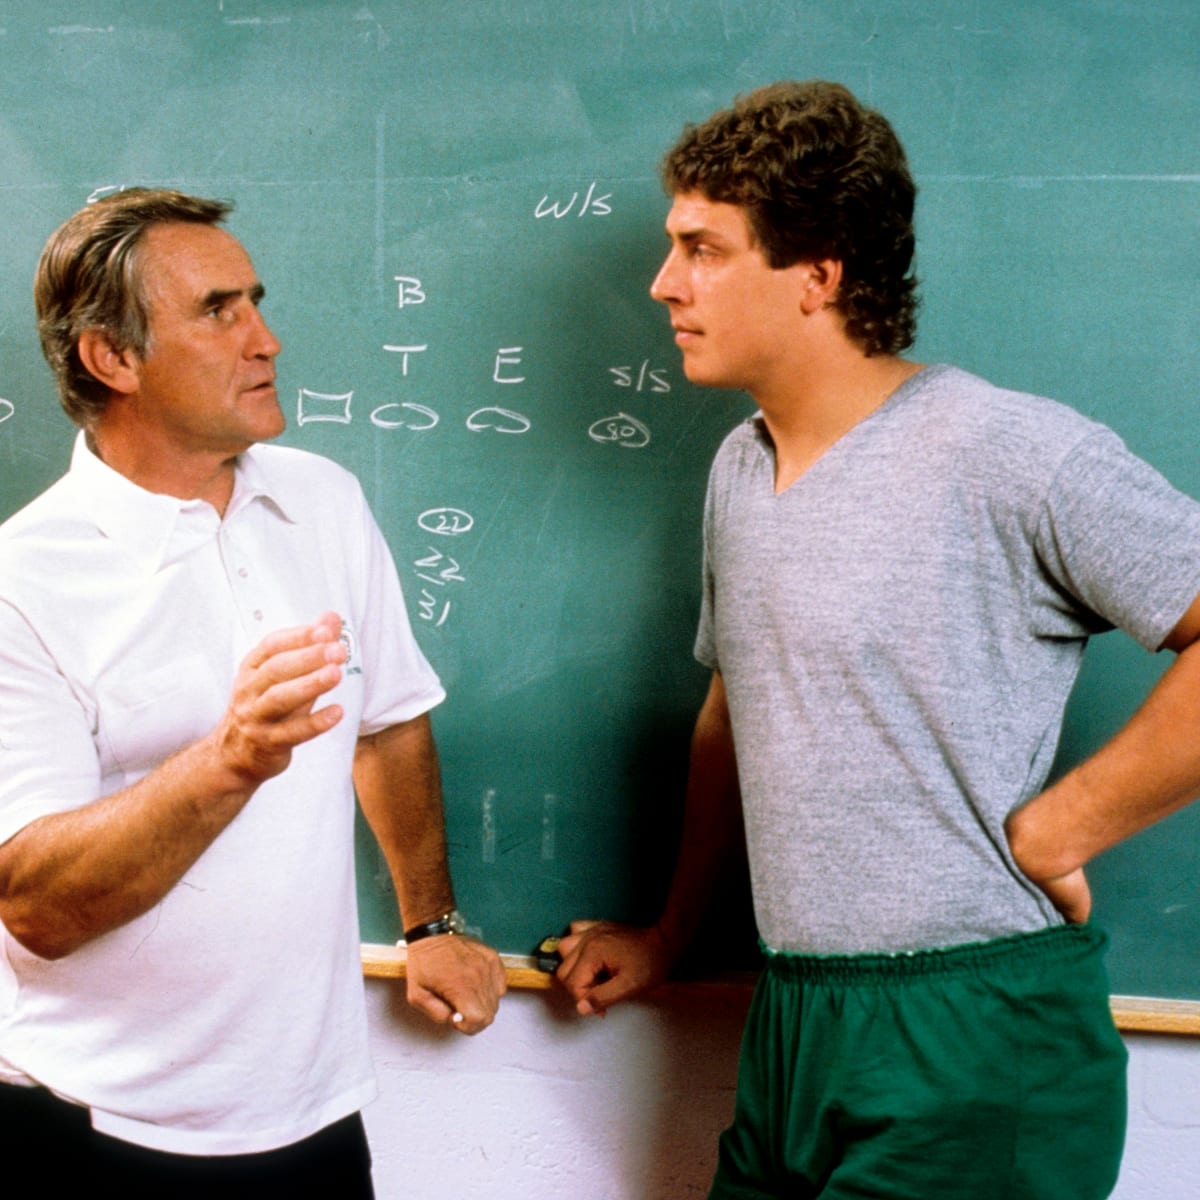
<point>204,652</point>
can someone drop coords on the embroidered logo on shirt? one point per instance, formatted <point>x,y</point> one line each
<point>348,640</point>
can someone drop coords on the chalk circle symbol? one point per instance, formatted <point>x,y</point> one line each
<point>499,420</point>
<point>449,522</point>
<point>622,430</point>
<point>392,416</point>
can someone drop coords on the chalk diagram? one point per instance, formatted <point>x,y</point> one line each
<point>323,406</point>
<point>448,522</point>
<point>438,570</point>
<point>439,575</point>
<point>499,420</point>
<point>621,430</point>
<point>397,416</point>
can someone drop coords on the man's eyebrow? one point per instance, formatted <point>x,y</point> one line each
<point>700,233</point>
<point>220,296</point>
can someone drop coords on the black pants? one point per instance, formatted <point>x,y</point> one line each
<point>36,1127</point>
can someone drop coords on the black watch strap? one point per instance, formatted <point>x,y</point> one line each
<point>451,922</point>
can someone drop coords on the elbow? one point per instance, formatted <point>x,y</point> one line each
<point>1041,849</point>
<point>34,917</point>
<point>48,949</point>
<point>34,921</point>
<point>40,937</point>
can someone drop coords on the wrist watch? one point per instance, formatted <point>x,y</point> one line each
<point>450,922</point>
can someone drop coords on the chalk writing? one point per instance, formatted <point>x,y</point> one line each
<point>427,608</point>
<point>440,571</point>
<point>647,378</point>
<point>507,357</point>
<point>450,571</point>
<point>446,522</point>
<point>7,408</point>
<point>393,416</point>
<point>499,420</point>
<point>621,430</point>
<point>404,352</point>
<point>410,291</point>
<point>323,406</point>
<point>593,205</point>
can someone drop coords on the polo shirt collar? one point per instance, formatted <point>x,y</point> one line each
<point>154,528</point>
<point>254,480</point>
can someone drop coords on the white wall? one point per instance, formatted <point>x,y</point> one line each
<point>548,1106</point>
<point>1162,1151</point>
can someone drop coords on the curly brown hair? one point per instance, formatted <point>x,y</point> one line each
<point>88,277</point>
<point>820,176</point>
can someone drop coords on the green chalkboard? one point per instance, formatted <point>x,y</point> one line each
<point>455,209</point>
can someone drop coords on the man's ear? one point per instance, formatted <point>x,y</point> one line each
<point>116,369</point>
<point>821,287</point>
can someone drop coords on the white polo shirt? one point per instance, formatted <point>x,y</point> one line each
<point>229,1018</point>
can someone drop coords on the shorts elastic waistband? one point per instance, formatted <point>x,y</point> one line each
<point>1058,944</point>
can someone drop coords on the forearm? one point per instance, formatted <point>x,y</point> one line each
<point>451,979</point>
<point>1148,770</point>
<point>397,778</point>
<point>70,877</point>
<point>605,963</point>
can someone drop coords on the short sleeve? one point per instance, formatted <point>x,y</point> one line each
<point>1119,539</point>
<point>48,758</point>
<point>400,683</point>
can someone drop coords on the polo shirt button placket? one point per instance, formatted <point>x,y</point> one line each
<point>243,575</point>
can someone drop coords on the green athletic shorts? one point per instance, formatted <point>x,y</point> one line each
<point>982,1072</point>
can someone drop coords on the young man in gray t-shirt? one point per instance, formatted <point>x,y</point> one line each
<point>903,564</point>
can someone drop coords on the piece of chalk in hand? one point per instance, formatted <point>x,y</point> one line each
<point>457,1018</point>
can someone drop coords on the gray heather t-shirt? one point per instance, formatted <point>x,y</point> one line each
<point>898,633</point>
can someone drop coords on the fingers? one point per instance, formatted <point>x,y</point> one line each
<point>271,710</point>
<point>598,1000</point>
<point>605,963</point>
<point>587,947</point>
<point>292,667</point>
<point>326,628</point>
<point>594,999</point>
<point>568,944</point>
<point>456,981</point>
<point>1071,895</point>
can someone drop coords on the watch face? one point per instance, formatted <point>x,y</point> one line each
<point>455,922</point>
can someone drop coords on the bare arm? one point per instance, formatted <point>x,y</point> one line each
<point>603,962</point>
<point>399,788</point>
<point>69,877</point>
<point>1148,770</point>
